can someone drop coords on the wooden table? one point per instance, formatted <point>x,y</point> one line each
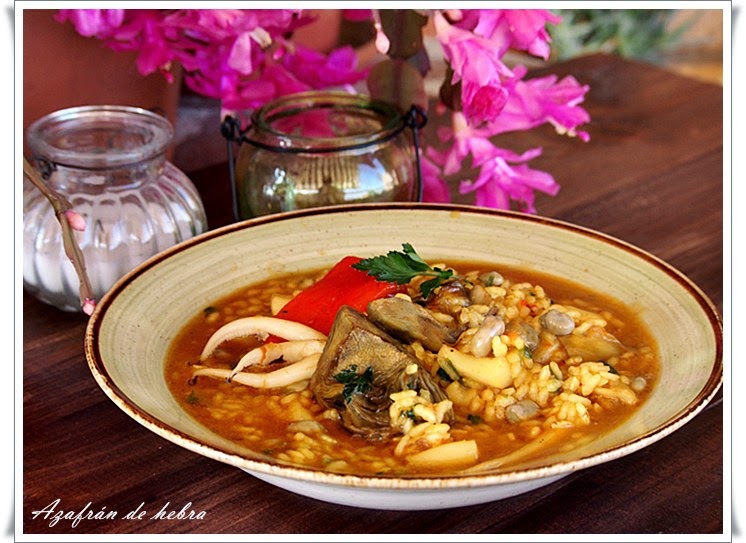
<point>652,175</point>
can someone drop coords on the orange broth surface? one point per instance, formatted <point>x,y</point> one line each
<point>268,421</point>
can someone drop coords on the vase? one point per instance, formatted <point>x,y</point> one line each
<point>109,162</point>
<point>315,149</point>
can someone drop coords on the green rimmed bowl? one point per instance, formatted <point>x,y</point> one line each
<point>130,332</point>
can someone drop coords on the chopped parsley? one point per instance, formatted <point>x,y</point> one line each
<point>354,382</point>
<point>443,374</point>
<point>446,371</point>
<point>612,369</point>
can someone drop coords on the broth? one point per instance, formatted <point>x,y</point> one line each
<point>565,408</point>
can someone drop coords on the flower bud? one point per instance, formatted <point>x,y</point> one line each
<point>75,220</point>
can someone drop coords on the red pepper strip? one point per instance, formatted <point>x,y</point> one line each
<point>317,306</point>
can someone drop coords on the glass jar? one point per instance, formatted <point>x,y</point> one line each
<point>110,163</point>
<point>316,149</point>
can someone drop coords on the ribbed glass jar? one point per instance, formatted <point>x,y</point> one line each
<point>324,148</point>
<point>110,163</point>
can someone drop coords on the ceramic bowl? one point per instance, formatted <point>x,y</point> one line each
<point>130,331</point>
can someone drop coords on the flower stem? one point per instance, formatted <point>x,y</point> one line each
<point>63,210</point>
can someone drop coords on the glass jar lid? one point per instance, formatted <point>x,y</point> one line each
<point>99,136</point>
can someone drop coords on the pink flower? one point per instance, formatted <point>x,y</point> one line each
<point>239,57</point>
<point>521,29</point>
<point>99,23</point>
<point>357,14</point>
<point>88,306</point>
<point>222,51</point>
<point>476,63</point>
<point>543,100</point>
<point>126,30</point>
<point>75,220</point>
<point>296,70</point>
<point>245,57</point>
<point>237,92</point>
<point>319,71</point>
<point>434,188</point>
<point>466,141</point>
<point>245,73</point>
<point>483,103</point>
<point>474,44</point>
<point>499,183</point>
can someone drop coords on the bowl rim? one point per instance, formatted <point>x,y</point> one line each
<point>100,373</point>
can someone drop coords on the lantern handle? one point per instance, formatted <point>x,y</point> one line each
<point>416,119</point>
<point>230,129</point>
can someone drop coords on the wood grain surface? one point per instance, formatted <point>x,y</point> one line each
<point>651,175</point>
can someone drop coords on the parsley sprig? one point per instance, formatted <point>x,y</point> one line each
<point>401,267</point>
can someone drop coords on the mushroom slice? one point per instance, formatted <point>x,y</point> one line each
<point>596,345</point>
<point>410,322</point>
<point>526,332</point>
<point>450,298</point>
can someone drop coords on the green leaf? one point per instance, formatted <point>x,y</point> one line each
<point>401,267</point>
<point>474,419</point>
<point>427,287</point>
<point>411,253</point>
<point>636,33</point>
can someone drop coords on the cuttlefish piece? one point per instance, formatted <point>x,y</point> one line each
<point>262,327</point>
<point>290,351</point>
<point>294,373</point>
